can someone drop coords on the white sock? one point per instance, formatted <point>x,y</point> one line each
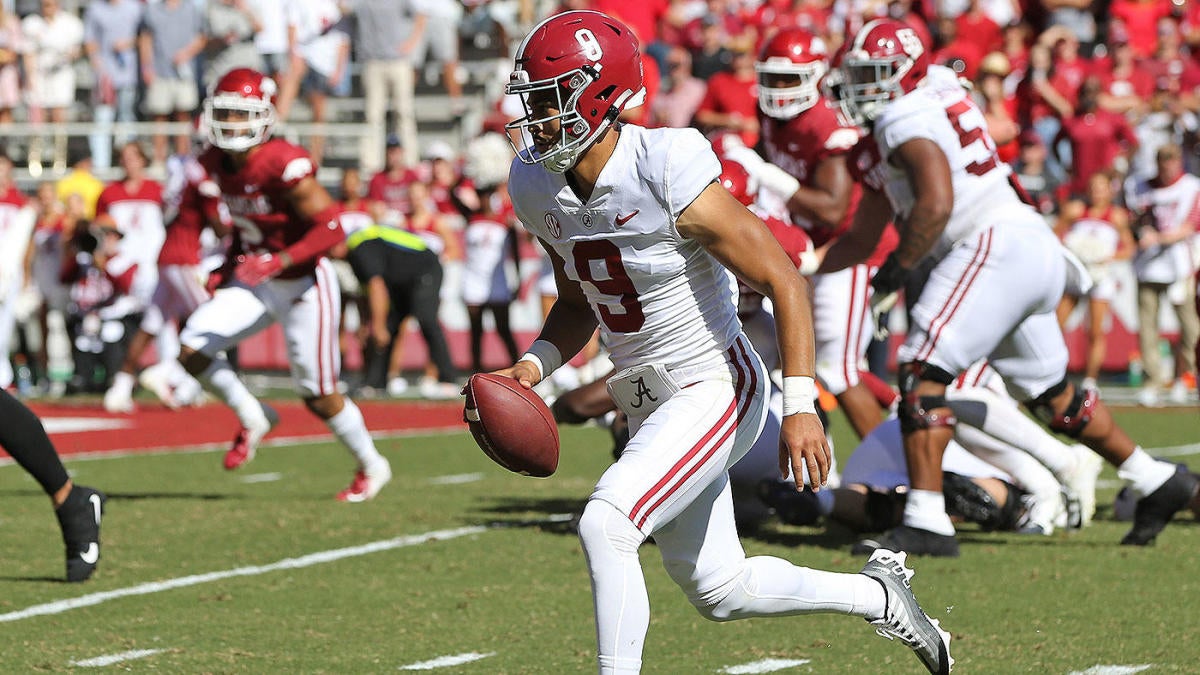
<point>622,607</point>
<point>123,382</point>
<point>1143,473</point>
<point>350,428</point>
<point>926,510</point>
<point>1005,421</point>
<point>229,388</point>
<point>775,587</point>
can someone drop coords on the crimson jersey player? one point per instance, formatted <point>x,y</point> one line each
<point>283,224</point>
<point>804,135</point>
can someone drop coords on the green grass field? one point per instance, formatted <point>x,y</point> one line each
<point>509,582</point>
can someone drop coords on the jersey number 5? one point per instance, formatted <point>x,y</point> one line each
<point>618,283</point>
<point>968,136</point>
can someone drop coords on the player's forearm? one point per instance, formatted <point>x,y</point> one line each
<point>793,327</point>
<point>325,233</point>
<point>924,227</point>
<point>569,326</point>
<point>819,206</point>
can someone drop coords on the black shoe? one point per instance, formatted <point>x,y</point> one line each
<point>79,518</point>
<point>1155,510</point>
<point>967,500</point>
<point>910,540</point>
<point>793,507</point>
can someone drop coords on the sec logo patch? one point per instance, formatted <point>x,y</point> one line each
<point>553,225</point>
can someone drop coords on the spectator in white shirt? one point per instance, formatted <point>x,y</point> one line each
<point>53,40</point>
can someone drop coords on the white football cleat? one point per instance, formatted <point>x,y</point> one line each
<point>116,401</point>
<point>154,378</point>
<point>902,617</point>
<point>367,484</point>
<point>1081,481</point>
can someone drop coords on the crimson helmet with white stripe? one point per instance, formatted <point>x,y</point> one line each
<point>240,110</point>
<point>885,60</point>
<point>577,70</point>
<point>790,67</point>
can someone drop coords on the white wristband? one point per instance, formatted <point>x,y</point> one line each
<point>799,395</point>
<point>810,262</point>
<point>544,355</point>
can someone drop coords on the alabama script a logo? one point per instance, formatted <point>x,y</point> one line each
<point>643,393</point>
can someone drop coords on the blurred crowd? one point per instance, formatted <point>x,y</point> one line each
<point>1094,104</point>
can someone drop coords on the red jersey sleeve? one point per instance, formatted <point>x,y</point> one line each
<point>291,164</point>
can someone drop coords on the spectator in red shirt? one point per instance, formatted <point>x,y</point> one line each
<point>1169,61</point>
<point>1097,138</point>
<point>957,53</point>
<point>731,102</point>
<point>1125,87</point>
<point>999,108</point>
<point>1041,106</point>
<point>1139,19</point>
<point>387,193</point>
<point>975,27</point>
<point>1070,69</point>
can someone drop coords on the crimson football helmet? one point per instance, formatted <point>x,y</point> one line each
<point>240,110</point>
<point>885,60</point>
<point>575,71</point>
<point>735,178</point>
<point>790,66</point>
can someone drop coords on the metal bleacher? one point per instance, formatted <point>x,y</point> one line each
<point>482,71</point>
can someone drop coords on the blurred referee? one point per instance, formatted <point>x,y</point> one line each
<point>400,277</point>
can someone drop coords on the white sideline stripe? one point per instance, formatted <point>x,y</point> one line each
<point>223,446</point>
<point>764,666</point>
<point>1112,670</point>
<point>109,659</point>
<point>447,661</point>
<point>1175,450</point>
<point>60,606</point>
<point>262,477</point>
<point>70,425</point>
<point>456,479</point>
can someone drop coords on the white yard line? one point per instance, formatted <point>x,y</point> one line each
<point>1176,450</point>
<point>447,661</point>
<point>764,666</point>
<point>321,557</point>
<point>455,479</point>
<point>110,659</point>
<point>224,445</point>
<point>1113,670</point>
<point>262,477</point>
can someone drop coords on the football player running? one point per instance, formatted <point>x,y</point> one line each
<point>998,275</point>
<point>804,135</point>
<point>283,224</point>
<point>643,240</point>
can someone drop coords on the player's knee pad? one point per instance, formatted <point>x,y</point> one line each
<point>918,412</point>
<point>605,532</point>
<point>1071,420</point>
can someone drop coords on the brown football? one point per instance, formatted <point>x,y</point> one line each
<point>512,425</point>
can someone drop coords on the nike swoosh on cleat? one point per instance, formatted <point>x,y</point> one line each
<point>91,555</point>
<point>95,500</point>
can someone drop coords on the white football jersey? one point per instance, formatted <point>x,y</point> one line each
<point>942,111</point>
<point>659,297</point>
<point>1173,206</point>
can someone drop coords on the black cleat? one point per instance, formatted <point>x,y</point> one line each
<point>910,540</point>
<point>1155,510</point>
<point>79,518</point>
<point>792,506</point>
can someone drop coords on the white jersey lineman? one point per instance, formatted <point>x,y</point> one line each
<point>1000,270</point>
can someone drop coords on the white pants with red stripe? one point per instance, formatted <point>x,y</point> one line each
<point>993,296</point>
<point>308,308</point>
<point>179,292</point>
<point>842,324</point>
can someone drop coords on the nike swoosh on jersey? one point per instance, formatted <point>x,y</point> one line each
<point>621,220</point>
<point>91,555</point>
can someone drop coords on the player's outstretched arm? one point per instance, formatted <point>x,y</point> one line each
<point>568,327</point>
<point>741,242</point>
<point>870,220</point>
<point>933,199</point>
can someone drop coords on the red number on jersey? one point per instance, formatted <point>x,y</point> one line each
<point>969,136</point>
<point>618,283</point>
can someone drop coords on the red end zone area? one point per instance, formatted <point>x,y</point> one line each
<point>77,429</point>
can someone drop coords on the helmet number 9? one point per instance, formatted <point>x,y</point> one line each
<point>591,47</point>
